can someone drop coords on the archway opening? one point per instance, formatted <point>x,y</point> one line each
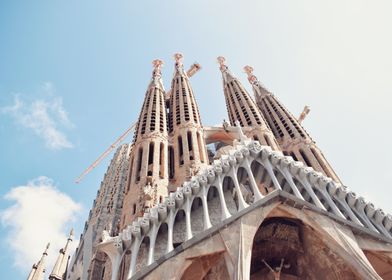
<point>288,248</point>
<point>214,205</point>
<point>197,216</point>
<point>245,185</point>
<point>262,178</point>
<point>230,194</point>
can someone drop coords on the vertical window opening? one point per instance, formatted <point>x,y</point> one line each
<point>171,162</point>
<point>180,151</point>
<point>139,164</point>
<point>162,165</point>
<point>306,159</point>
<point>150,159</point>
<point>190,145</point>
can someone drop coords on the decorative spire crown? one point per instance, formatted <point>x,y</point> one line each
<point>157,63</point>
<point>227,75</point>
<point>249,71</point>
<point>71,234</point>
<point>221,61</point>
<point>157,73</point>
<point>179,67</point>
<point>46,249</point>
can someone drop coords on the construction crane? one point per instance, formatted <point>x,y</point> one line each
<point>304,113</point>
<point>105,154</point>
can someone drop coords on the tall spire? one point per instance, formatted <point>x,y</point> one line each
<point>148,173</point>
<point>60,267</point>
<point>38,270</point>
<point>188,151</point>
<point>242,108</point>
<point>292,137</point>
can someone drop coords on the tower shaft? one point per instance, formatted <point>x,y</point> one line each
<point>38,270</point>
<point>148,174</point>
<point>187,152</point>
<point>242,108</point>
<point>291,136</point>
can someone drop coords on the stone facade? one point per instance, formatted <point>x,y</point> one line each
<point>104,215</point>
<point>265,205</point>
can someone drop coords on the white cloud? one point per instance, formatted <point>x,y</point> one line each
<point>44,117</point>
<point>40,214</point>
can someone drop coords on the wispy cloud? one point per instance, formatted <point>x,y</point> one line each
<point>45,117</point>
<point>40,213</point>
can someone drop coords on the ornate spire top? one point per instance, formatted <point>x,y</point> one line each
<point>249,71</point>
<point>179,66</point>
<point>221,61</point>
<point>46,249</point>
<point>178,57</point>
<point>71,234</point>
<point>227,75</point>
<point>157,74</point>
<point>258,88</point>
<point>157,63</point>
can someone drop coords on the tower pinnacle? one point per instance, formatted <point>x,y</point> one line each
<point>187,151</point>
<point>148,158</point>
<point>249,71</point>
<point>242,108</point>
<point>61,264</point>
<point>38,270</point>
<point>157,63</point>
<point>226,74</point>
<point>292,137</point>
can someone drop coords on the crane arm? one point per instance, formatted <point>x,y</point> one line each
<point>105,153</point>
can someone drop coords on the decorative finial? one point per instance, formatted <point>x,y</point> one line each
<point>157,63</point>
<point>71,234</point>
<point>46,249</point>
<point>178,57</point>
<point>249,71</point>
<point>221,61</point>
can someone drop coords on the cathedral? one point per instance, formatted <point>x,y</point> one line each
<point>254,198</point>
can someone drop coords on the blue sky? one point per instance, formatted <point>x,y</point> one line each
<point>73,76</point>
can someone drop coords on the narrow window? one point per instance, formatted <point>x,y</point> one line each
<point>162,165</point>
<point>180,150</point>
<point>130,172</point>
<point>293,156</point>
<point>171,162</point>
<point>139,164</point>
<point>306,159</point>
<point>190,145</point>
<point>150,159</point>
<point>134,209</point>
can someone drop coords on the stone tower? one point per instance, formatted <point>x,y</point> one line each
<point>104,215</point>
<point>148,173</point>
<point>60,268</point>
<point>241,107</point>
<point>291,136</point>
<point>38,270</point>
<point>187,152</point>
